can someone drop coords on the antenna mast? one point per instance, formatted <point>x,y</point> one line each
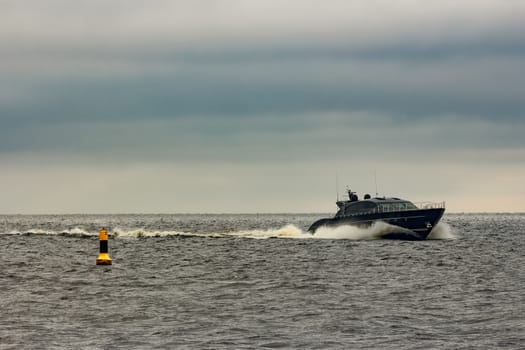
<point>337,186</point>
<point>375,180</point>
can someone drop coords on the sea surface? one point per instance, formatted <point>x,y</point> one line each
<point>259,282</point>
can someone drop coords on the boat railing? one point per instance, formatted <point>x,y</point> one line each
<point>430,205</point>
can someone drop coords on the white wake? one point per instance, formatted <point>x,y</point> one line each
<point>376,231</point>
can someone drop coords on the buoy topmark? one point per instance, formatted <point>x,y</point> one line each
<point>103,257</point>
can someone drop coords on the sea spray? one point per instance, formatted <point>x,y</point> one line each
<point>345,232</point>
<point>374,231</point>
<point>442,231</point>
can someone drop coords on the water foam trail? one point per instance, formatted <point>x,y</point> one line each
<point>141,233</point>
<point>442,231</point>
<point>348,232</point>
<point>287,231</point>
<point>75,231</point>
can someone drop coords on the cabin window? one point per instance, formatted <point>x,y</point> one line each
<point>360,207</point>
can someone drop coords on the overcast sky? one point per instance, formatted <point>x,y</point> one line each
<point>255,106</point>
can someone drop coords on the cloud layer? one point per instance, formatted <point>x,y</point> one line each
<point>246,85</point>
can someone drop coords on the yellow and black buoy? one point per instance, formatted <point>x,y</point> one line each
<point>103,257</point>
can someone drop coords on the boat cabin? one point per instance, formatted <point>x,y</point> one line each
<point>368,205</point>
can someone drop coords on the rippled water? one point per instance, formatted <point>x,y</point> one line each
<point>258,281</point>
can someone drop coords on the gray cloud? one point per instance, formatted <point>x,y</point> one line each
<point>356,137</point>
<point>486,86</point>
<point>99,61</point>
<point>185,23</point>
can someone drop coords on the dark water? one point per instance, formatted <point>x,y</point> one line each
<point>222,282</point>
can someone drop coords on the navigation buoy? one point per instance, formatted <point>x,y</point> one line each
<point>103,257</point>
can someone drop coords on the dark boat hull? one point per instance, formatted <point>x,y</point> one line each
<point>407,224</point>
